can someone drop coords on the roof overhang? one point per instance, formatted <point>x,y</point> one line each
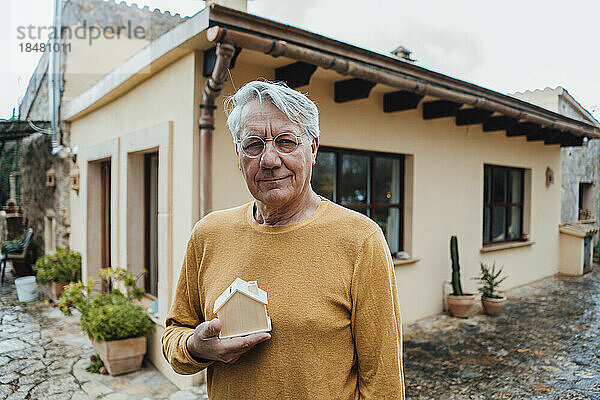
<point>190,36</point>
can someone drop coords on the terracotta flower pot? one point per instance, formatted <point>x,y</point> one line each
<point>459,306</point>
<point>121,356</point>
<point>56,290</point>
<point>492,306</point>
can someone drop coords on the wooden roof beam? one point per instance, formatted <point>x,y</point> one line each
<point>471,116</point>
<point>499,123</point>
<point>522,129</point>
<point>352,89</point>
<point>440,109</point>
<point>400,101</point>
<point>556,138</point>
<point>296,74</point>
<point>572,140</point>
<point>541,134</point>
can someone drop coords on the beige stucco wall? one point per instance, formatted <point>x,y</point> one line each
<point>448,185</point>
<point>168,96</point>
<point>158,115</point>
<point>80,74</point>
<point>571,254</point>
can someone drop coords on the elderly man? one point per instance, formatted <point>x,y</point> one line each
<point>327,271</point>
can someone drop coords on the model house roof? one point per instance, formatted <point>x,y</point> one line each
<point>249,289</point>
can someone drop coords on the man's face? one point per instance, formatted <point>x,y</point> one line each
<point>274,179</point>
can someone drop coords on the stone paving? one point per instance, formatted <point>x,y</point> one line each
<point>43,355</point>
<point>545,345</point>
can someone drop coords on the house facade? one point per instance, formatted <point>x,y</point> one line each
<point>425,155</point>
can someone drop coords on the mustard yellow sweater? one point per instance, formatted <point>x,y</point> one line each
<point>332,302</point>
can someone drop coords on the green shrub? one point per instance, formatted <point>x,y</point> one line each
<point>75,296</point>
<point>64,266</point>
<point>596,255</point>
<point>112,315</point>
<point>489,281</point>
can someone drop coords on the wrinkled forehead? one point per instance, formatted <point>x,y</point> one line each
<point>263,118</point>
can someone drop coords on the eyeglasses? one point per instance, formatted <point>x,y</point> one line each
<point>284,143</point>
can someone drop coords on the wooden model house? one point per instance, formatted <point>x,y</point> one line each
<point>242,309</point>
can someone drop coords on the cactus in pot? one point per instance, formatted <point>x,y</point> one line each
<point>456,286</point>
<point>459,303</point>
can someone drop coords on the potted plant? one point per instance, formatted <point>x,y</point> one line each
<point>58,270</point>
<point>459,303</point>
<point>115,323</point>
<point>491,300</point>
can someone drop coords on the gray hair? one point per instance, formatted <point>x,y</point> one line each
<point>296,106</point>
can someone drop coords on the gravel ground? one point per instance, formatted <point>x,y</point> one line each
<point>545,345</point>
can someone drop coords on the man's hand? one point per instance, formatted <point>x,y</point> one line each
<point>206,344</point>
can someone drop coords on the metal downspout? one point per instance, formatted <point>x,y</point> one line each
<point>212,89</point>
<point>346,66</point>
<point>54,75</point>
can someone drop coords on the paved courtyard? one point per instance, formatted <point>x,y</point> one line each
<point>43,355</point>
<point>544,346</point>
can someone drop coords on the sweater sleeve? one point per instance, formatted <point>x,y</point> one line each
<point>376,323</point>
<point>183,317</point>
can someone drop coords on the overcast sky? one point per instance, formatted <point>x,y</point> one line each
<point>505,46</point>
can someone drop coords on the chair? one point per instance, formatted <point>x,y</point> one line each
<point>17,253</point>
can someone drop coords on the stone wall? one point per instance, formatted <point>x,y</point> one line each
<point>40,201</point>
<point>580,164</point>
